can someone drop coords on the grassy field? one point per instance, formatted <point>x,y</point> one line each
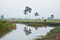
<point>31,20</point>
<point>38,20</point>
<point>5,27</point>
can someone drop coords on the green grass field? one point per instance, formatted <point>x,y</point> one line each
<point>32,20</point>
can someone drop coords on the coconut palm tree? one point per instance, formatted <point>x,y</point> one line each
<point>30,10</point>
<point>25,12</point>
<point>27,9</point>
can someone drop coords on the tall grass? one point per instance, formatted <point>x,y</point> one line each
<point>5,27</point>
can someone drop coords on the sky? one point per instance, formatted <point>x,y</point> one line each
<point>15,8</point>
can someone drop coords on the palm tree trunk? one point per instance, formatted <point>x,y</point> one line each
<point>29,16</point>
<point>25,17</point>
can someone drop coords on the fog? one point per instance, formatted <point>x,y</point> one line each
<point>15,8</point>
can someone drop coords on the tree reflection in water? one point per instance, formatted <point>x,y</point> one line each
<point>27,31</point>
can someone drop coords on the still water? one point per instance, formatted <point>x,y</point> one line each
<point>24,32</point>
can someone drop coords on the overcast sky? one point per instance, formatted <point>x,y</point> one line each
<point>14,8</point>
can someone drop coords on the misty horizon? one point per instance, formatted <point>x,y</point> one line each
<point>15,8</point>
